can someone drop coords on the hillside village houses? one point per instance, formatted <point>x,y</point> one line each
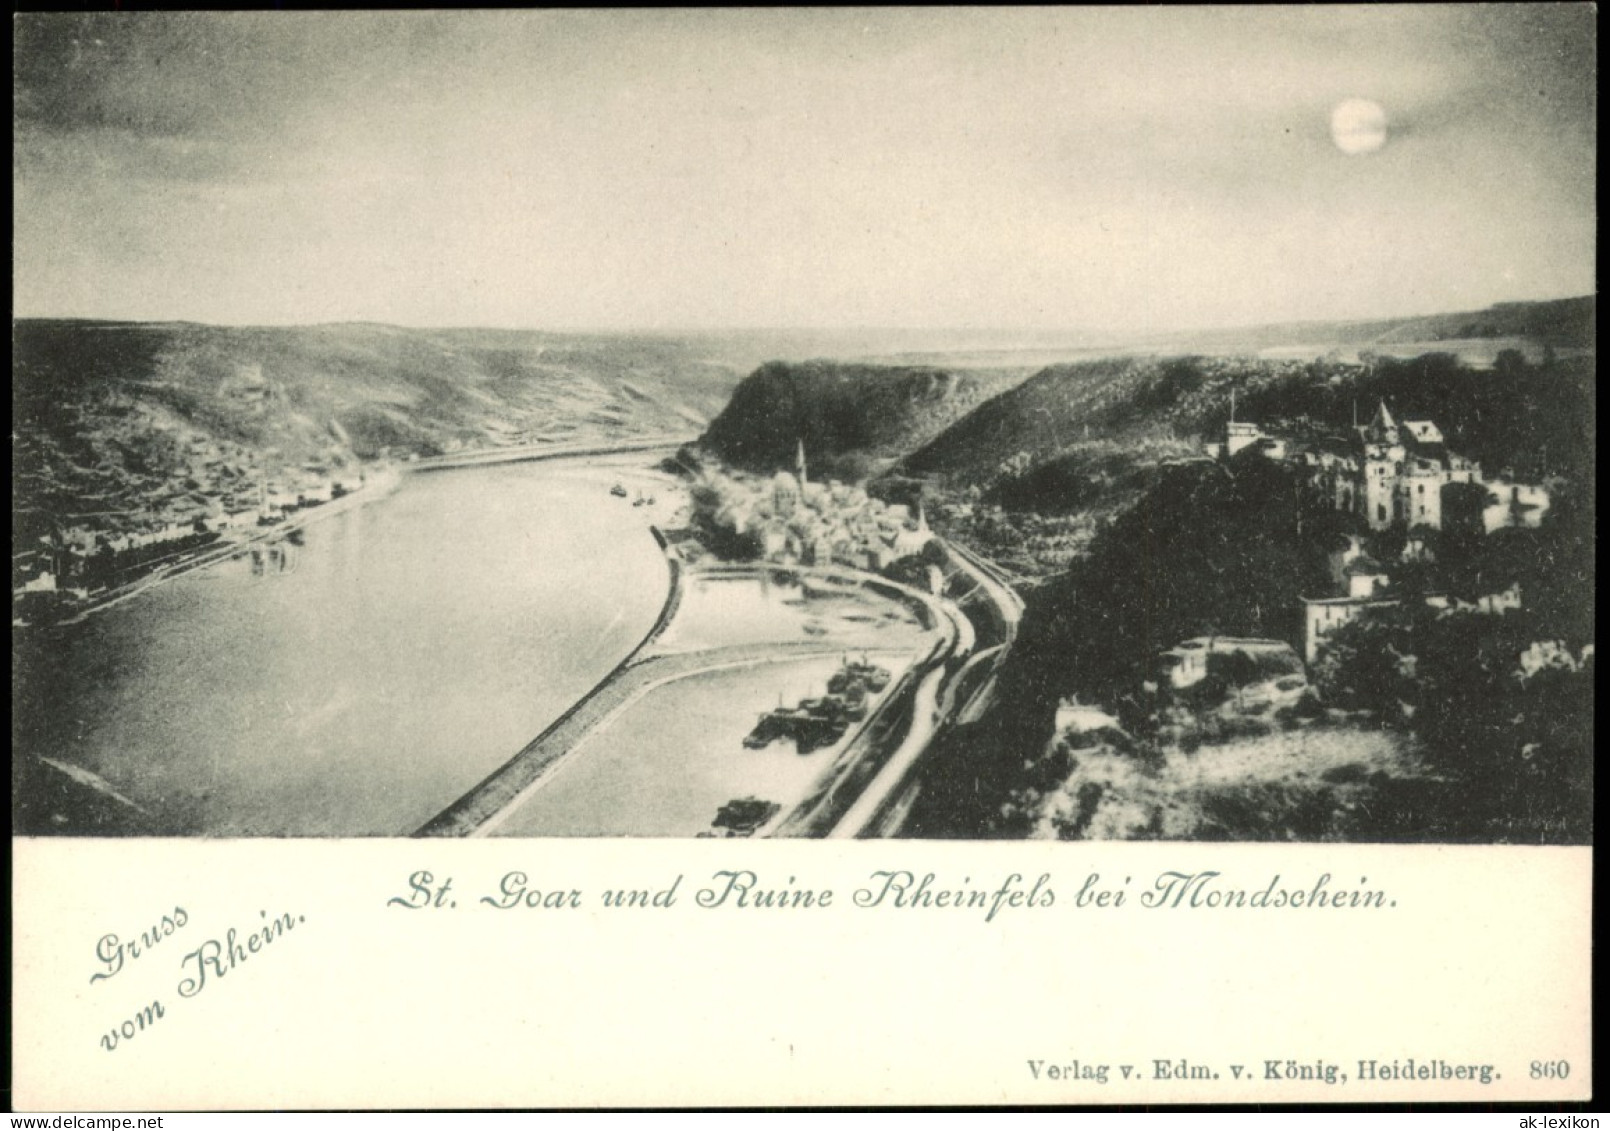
<point>1390,473</point>
<point>1323,616</point>
<point>795,521</point>
<point>1362,584</point>
<point>1187,663</point>
<point>218,509</point>
<point>1397,474</point>
<point>185,485</point>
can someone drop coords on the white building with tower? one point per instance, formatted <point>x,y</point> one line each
<point>1393,473</point>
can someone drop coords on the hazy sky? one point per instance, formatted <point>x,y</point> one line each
<point>1113,169</point>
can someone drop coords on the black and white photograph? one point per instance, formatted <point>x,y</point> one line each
<point>963,431</point>
<point>1086,425</point>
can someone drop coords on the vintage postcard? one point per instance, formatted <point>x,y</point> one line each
<point>843,556</point>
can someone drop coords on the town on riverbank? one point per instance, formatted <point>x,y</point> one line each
<point>1129,597</point>
<point>107,556</point>
<point>787,688</point>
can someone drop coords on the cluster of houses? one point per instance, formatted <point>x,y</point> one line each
<point>274,500</point>
<point>794,521</point>
<point>187,485</point>
<point>1392,474</point>
<point>1388,474</point>
<point>1362,583</point>
<point>56,561</point>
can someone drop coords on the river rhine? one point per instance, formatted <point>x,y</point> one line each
<point>361,682</point>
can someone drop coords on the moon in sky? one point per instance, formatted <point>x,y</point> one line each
<point>1358,125</point>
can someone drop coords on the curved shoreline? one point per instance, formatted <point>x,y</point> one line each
<point>388,481</point>
<point>879,763</point>
<point>499,790</point>
<point>590,610</point>
<point>526,453</point>
<point>497,795</point>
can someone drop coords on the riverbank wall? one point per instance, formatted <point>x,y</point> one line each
<point>501,788</point>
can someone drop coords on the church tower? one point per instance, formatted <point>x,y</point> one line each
<point>799,462</point>
<point>1384,455</point>
<point>1382,429</point>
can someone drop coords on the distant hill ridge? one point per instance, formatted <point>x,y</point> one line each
<point>116,424</point>
<point>844,411</point>
<point>393,387</point>
<point>382,387</point>
<point>1563,323</point>
<point>967,420</point>
<point>1175,400</point>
